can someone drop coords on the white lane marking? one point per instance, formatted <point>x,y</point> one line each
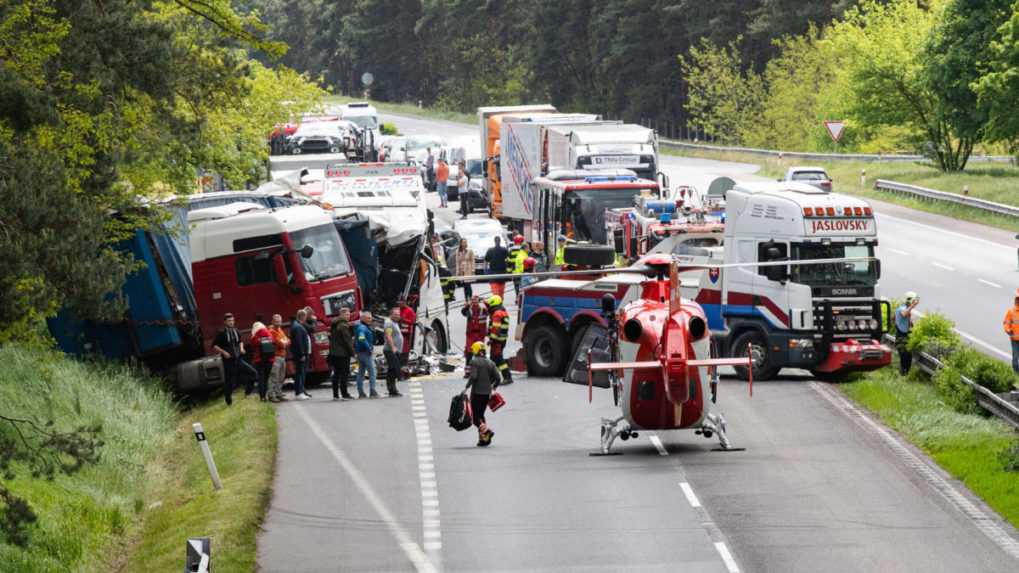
<point>657,442</point>
<point>941,231</point>
<point>898,252</point>
<point>977,517</point>
<point>412,550</point>
<point>690,495</point>
<point>431,526</point>
<point>730,563</point>
<point>989,283</point>
<point>941,266</point>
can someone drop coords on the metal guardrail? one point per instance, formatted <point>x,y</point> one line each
<point>675,144</point>
<point>935,195</point>
<point>993,403</point>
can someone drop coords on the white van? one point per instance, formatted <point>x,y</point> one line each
<point>362,113</point>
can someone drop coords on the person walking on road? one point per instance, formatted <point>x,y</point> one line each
<point>463,182</point>
<point>903,326</point>
<point>265,353</point>
<point>498,334</point>
<point>300,352</point>
<point>364,343</point>
<point>484,379</point>
<point>441,180</point>
<point>495,263</point>
<point>341,350</point>
<point>477,329</point>
<point>430,169</point>
<point>392,349</point>
<point>230,348</point>
<point>465,266</point>
<point>1011,324</point>
<point>279,364</point>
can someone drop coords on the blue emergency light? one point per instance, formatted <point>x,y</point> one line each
<point>610,179</point>
<point>659,207</point>
<point>665,218</point>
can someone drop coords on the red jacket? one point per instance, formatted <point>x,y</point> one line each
<point>477,324</point>
<point>256,345</point>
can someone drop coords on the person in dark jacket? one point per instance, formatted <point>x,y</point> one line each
<point>229,346</point>
<point>341,349</point>
<point>300,352</point>
<point>495,263</point>
<point>484,379</point>
<point>364,344</point>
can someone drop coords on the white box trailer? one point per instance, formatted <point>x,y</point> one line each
<point>524,156</point>
<point>604,146</point>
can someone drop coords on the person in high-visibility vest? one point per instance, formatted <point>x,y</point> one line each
<point>515,260</point>
<point>1011,324</point>
<point>498,334</point>
<point>560,253</point>
<point>903,326</point>
<point>448,286</point>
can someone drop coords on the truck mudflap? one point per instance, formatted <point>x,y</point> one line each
<point>855,356</point>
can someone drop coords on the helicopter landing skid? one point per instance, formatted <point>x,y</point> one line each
<point>715,424</point>
<point>610,430</point>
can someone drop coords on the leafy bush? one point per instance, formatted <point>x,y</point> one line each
<point>934,335</point>
<point>956,393</point>
<point>990,373</point>
<point>1009,458</point>
<point>389,129</point>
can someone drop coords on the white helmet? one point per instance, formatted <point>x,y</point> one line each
<point>910,296</point>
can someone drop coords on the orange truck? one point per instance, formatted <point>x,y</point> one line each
<point>490,120</point>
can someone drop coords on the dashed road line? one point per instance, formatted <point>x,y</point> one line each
<point>898,252</point>
<point>431,525</point>
<point>690,495</point>
<point>657,442</point>
<point>942,266</point>
<point>730,563</point>
<point>421,561</point>
<point>989,283</point>
<point>977,517</point>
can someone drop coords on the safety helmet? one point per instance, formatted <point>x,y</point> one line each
<point>518,239</point>
<point>477,348</point>
<point>910,296</point>
<point>494,300</point>
<point>529,263</point>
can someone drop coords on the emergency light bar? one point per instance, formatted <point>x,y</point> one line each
<point>370,170</point>
<point>607,178</point>
<point>836,212</point>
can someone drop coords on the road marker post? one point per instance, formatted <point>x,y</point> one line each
<point>863,179</point>
<point>207,454</point>
<point>198,555</point>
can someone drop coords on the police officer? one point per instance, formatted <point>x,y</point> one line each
<point>498,334</point>
<point>903,326</point>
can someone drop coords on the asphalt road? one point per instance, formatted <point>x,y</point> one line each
<point>385,485</point>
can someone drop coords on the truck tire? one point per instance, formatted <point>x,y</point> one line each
<point>437,338</point>
<point>755,341</point>
<point>590,255</point>
<point>546,351</point>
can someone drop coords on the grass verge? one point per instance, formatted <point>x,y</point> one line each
<point>410,109</point>
<point>992,181</point>
<point>150,490</point>
<point>969,447</point>
<point>182,502</point>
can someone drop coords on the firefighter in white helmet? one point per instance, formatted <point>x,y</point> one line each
<point>903,326</point>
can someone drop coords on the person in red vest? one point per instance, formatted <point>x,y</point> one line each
<point>477,329</point>
<point>408,318</point>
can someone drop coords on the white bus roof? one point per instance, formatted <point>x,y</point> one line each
<point>215,229</point>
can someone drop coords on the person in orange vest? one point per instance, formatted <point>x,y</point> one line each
<point>477,329</point>
<point>1011,324</point>
<point>498,334</point>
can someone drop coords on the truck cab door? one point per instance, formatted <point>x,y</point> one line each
<point>770,297</point>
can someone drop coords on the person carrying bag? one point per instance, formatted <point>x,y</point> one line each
<point>483,381</point>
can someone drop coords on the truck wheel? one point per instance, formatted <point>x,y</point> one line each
<point>755,343</point>
<point>589,255</point>
<point>546,351</point>
<point>436,339</point>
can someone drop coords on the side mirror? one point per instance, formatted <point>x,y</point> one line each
<point>279,267</point>
<point>307,251</point>
<point>877,269</point>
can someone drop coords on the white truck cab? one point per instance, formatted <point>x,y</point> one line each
<point>826,318</point>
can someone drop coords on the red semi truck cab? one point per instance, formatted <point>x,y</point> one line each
<point>252,261</point>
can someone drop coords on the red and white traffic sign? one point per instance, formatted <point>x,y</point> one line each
<point>835,128</point>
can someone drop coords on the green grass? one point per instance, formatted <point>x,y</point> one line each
<point>992,181</point>
<point>411,109</point>
<point>243,441</point>
<point>80,514</point>
<point>966,446</point>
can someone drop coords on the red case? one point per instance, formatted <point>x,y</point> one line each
<point>496,401</point>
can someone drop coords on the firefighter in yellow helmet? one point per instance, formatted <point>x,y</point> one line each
<point>482,382</point>
<point>498,334</point>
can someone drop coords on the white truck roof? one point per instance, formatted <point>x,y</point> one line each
<point>603,132</point>
<point>215,229</point>
<point>389,195</point>
<point>794,209</point>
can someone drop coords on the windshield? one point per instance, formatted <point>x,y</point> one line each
<point>329,258</point>
<point>475,167</point>
<point>810,176</point>
<point>369,121</point>
<point>835,274</point>
<point>423,142</point>
<point>585,210</point>
<point>480,242</point>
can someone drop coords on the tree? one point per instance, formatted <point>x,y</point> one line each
<point>721,98</point>
<point>998,88</point>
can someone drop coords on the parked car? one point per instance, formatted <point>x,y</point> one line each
<point>321,137</point>
<point>815,176</point>
<point>480,235</point>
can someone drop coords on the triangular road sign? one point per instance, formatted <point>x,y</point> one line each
<point>835,128</point>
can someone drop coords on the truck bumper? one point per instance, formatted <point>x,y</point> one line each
<point>855,356</point>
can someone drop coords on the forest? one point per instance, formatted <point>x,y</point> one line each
<point>934,76</point>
